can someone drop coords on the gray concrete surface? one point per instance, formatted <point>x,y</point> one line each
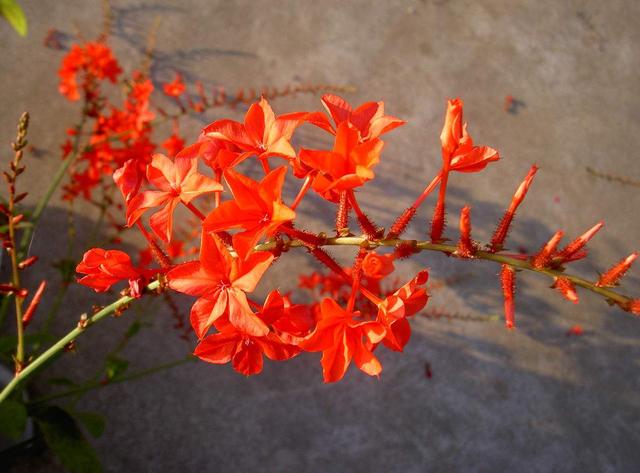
<point>529,400</point>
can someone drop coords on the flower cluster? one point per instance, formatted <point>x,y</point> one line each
<point>117,132</point>
<point>247,225</point>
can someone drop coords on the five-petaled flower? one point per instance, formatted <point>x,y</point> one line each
<point>261,134</point>
<point>221,282</point>
<point>257,208</point>
<point>177,181</point>
<point>104,268</point>
<point>394,310</point>
<point>347,166</point>
<point>369,118</point>
<point>341,337</point>
<point>245,351</point>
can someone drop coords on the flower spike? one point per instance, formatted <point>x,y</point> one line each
<point>500,234</point>
<point>570,252</point>
<point>543,258</point>
<point>466,247</point>
<point>33,305</point>
<point>613,275</point>
<point>508,279</point>
<point>566,288</point>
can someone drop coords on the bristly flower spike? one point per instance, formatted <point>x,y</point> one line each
<point>466,247</point>
<point>499,236</point>
<point>543,258</point>
<point>356,274</point>
<point>401,223</point>
<point>508,279</point>
<point>33,305</point>
<point>369,228</point>
<point>613,275</point>
<point>342,215</point>
<point>566,288</point>
<point>572,251</point>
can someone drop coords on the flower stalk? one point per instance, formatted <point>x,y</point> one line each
<point>612,296</point>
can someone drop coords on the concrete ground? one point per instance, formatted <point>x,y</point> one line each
<point>528,400</point>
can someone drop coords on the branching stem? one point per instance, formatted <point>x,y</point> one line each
<point>516,263</point>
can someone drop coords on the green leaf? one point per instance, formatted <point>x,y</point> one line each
<point>115,367</point>
<point>13,419</point>
<point>14,15</point>
<point>92,421</point>
<point>65,439</point>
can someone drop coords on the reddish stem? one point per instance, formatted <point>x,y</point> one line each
<point>156,251</point>
<point>437,224</point>
<point>303,190</point>
<point>265,165</point>
<point>306,237</point>
<point>427,190</point>
<point>330,263</point>
<point>369,228</point>
<point>356,275</point>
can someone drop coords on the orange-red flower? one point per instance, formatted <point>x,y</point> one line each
<point>394,310</point>
<point>289,321</point>
<point>104,268</point>
<point>457,146</point>
<point>261,134</point>
<point>173,144</point>
<point>347,166</point>
<point>177,181</point>
<point>221,281</point>
<point>95,59</point>
<point>174,88</point>
<point>377,266</point>
<point>218,154</point>
<point>257,208</point>
<point>341,337</point>
<point>369,118</point>
<point>243,350</point>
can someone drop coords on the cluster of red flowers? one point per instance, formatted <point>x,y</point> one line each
<point>243,234</point>
<point>229,268</point>
<point>117,132</point>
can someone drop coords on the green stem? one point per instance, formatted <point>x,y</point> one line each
<point>64,341</point>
